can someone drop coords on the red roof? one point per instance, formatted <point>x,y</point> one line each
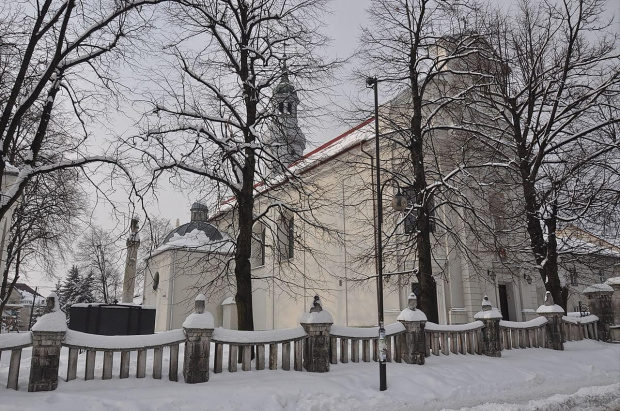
<point>317,150</point>
<point>334,140</point>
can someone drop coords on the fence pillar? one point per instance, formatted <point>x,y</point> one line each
<point>614,329</point>
<point>491,344</point>
<point>599,303</point>
<point>553,329</point>
<point>317,324</point>
<point>413,342</point>
<point>47,336</point>
<point>198,328</point>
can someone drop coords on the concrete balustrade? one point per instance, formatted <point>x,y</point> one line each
<point>314,346</point>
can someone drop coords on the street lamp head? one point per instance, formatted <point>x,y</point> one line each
<point>371,81</point>
<point>399,202</point>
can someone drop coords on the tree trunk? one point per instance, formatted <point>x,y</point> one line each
<point>427,300</point>
<point>545,251</point>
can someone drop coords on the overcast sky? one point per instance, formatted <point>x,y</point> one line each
<point>343,26</point>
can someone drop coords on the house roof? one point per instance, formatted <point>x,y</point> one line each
<point>573,239</point>
<point>26,288</point>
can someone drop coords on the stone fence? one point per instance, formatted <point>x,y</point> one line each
<point>316,344</point>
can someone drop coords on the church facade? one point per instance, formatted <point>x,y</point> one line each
<point>316,237</point>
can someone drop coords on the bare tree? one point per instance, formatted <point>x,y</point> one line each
<point>429,53</point>
<point>97,251</point>
<point>558,105</point>
<point>213,126</point>
<point>43,227</point>
<point>153,235</point>
<point>55,80</point>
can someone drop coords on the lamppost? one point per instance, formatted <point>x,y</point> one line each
<point>399,203</point>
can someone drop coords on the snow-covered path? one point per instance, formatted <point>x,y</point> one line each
<point>586,376</point>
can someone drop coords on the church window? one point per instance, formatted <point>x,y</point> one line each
<point>281,108</point>
<point>290,108</point>
<point>412,214</point>
<point>259,235</point>
<point>286,237</point>
<point>573,276</point>
<point>156,281</point>
<point>497,210</point>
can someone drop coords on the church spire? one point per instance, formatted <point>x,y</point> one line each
<point>286,140</point>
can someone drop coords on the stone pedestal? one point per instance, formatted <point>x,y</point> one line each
<point>413,345</point>
<point>600,304</point>
<point>198,329</point>
<point>554,327</point>
<point>614,330</point>
<point>48,333</point>
<point>45,360</point>
<point>615,298</point>
<point>491,344</point>
<point>317,325</point>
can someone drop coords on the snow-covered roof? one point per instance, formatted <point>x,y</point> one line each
<point>579,246</point>
<point>339,145</point>
<point>10,169</point>
<point>197,240</point>
<point>319,156</point>
<point>613,281</point>
<point>597,288</point>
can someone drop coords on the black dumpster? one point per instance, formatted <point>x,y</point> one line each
<point>112,319</point>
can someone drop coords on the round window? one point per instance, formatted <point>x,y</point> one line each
<point>156,281</point>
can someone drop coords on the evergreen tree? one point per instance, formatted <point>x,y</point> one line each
<point>86,289</point>
<point>70,289</point>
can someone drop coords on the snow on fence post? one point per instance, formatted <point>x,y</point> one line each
<point>47,336</point>
<point>553,329</point>
<point>413,342</point>
<point>491,345</point>
<point>317,324</point>
<point>198,329</point>
<point>599,304</point>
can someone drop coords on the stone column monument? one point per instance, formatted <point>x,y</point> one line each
<point>413,345</point>
<point>129,280</point>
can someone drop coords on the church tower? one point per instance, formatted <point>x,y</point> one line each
<point>286,141</point>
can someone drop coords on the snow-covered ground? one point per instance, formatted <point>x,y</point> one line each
<point>586,376</point>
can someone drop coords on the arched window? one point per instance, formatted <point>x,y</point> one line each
<point>281,107</point>
<point>290,108</point>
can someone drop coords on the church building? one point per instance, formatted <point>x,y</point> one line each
<point>316,236</point>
